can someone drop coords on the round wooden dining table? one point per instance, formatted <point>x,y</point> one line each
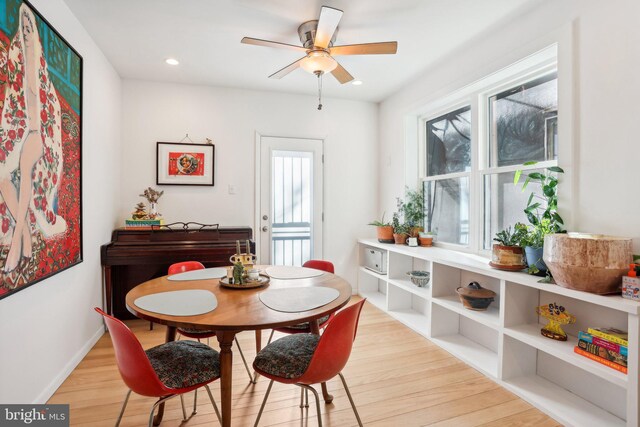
<point>237,310</point>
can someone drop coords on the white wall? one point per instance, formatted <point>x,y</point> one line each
<point>46,329</point>
<point>602,47</point>
<point>231,117</point>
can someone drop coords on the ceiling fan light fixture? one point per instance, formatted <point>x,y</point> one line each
<point>318,61</point>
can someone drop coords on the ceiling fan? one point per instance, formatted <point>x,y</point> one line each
<point>317,37</point>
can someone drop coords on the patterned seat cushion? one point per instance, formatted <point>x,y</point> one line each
<point>191,331</point>
<point>305,325</point>
<point>287,357</point>
<point>181,364</point>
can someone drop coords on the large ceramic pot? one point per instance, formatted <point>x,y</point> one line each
<point>588,262</point>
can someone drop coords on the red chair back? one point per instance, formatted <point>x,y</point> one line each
<point>181,267</point>
<point>134,366</point>
<point>335,345</point>
<point>319,265</point>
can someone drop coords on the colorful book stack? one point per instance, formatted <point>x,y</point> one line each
<point>604,345</point>
<point>143,224</point>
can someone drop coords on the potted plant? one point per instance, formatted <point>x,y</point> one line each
<point>542,213</point>
<point>426,238</point>
<point>412,209</point>
<point>384,229</point>
<point>400,231</point>
<point>508,253</point>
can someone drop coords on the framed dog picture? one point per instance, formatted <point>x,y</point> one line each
<point>40,149</point>
<point>184,164</point>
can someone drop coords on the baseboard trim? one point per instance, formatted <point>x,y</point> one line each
<point>69,367</point>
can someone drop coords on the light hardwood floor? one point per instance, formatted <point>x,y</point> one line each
<point>397,378</point>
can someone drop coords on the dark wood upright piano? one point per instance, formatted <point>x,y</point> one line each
<point>135,256</point>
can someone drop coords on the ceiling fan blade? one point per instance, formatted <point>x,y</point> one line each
<point>341,74</point>
<point>366,49</point>
<point>268,43</point>
<point>286,70</point>
<point>327,24</point>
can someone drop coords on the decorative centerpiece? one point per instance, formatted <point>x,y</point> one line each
<point>246,259</point>
<point>557,316</point>
<point>140,217</point>
<point>588,262</point>
<point>152,197</point>
<point>475,297</point>
<point>242,275</point>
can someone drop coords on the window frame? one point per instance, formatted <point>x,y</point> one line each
<point>477,96</point>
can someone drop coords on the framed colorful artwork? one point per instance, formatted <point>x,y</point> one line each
<point>184,164</point>
<point>40,149</point>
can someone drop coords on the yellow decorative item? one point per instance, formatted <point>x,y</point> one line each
<point>557,317</point>
<point>247,259</point>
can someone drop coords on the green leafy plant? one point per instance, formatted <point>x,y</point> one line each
<point>399,228</point>
<point>412,208</point>
<point>507,237</point>
<point>544,206</point>
<point>380,223</point>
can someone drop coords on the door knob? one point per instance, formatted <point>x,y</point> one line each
<point>265,217</point>
<point>265,228</point>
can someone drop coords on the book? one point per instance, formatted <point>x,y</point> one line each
<point>598,359</point>
<point>603,352</point>
<point>616,348</point>
<point>611,334</point>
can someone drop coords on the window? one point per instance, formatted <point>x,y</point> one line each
<point>471,154</point>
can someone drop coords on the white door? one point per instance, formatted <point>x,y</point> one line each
<point>289,216</point>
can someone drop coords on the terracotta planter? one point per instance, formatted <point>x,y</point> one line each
<point>425,241</point>
<point>588,262</point>
<point>400,239</point>
<point>507,257</point>
<point>415,231</point>
<point>385,234</point>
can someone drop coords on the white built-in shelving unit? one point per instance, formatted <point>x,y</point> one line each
<point>504,342</point>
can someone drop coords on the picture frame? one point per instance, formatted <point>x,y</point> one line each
<point>185,164</point>
<point>40,234</point>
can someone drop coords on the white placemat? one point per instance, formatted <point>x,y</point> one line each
<point>294,300</point>
<point>189,302</point>
<point>289,272</point>
<point>202,274</point>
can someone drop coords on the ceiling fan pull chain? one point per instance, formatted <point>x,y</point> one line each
<point>319,74</point>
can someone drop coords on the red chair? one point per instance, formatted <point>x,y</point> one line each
<point>182,267</point>
<point>165,371</point>
<point>305,328</point>
<point>306,359</point>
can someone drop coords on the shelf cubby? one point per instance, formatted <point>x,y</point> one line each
<point>409,308</point>
<point>373,287</point>
<point>557,386</point>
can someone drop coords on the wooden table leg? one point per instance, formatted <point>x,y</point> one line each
<point>225,338</point>
<point>170,336</point>
<point>315,329</point>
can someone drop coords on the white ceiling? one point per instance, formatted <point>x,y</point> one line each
<point>204,35</point>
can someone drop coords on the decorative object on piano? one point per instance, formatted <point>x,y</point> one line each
<point>419,278</point>
<point>184,164</point>
<point>557,316</point>
<point>40,161</point>
<point>588,262</point>
<point>140,218</point>
<point>475,297</point>
<point>140,212</point>
<point>246,259</point>
<point>152,197</point>
<point>508,253</point>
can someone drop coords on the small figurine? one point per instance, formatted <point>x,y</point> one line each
<point>140,212</point>
<point>238,273</point>
<point>557,316</point>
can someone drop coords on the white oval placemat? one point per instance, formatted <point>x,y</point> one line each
<point>189,302</point>
<point>289,272</point>
<point>202,274</point>
<point>294,300</point>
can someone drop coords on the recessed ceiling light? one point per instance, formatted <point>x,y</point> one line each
<point>356,82</point>
<point>172,61</point>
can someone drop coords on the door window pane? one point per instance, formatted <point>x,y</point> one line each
<point>523,123</point>
<point>449,143</point>
<point>504,203</point>
<point>447,208</point>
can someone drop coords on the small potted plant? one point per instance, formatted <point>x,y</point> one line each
<point>507,253</point>
<point>426,238</point>
<point>412,209</point>
<point>542,213</point>
<point>384,229</point>
<point>400,231</point>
